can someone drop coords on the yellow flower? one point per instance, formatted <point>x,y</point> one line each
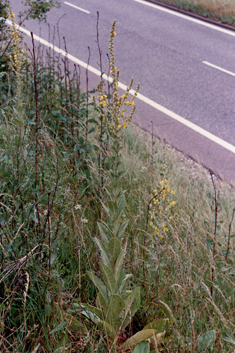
<point>160,238</point>
<point>119,126</point>
<point>124,124</point>
<point>118,118</point>
<point>132,102</point>
<point>114,34</point>
<point>123,96</point>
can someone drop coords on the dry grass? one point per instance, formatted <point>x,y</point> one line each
<point>221,10</point>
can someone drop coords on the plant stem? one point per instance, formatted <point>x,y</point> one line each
<point>36,131</point>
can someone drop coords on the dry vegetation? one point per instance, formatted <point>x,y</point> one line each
<point>85,201</point>
<point>221,10</point>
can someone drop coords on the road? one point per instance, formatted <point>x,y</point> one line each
<point>185,67</point>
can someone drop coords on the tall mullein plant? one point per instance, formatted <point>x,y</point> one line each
<point>115,305</point>
<point>17,61</point>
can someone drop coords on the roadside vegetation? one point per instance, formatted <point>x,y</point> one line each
<point>220,10</point>
<point>109,242</point>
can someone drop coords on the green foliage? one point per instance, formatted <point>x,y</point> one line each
<point>38,9</point>
<point>74,203</point>
<point>4,5</point>
<point>219,10</point>
<point>142,347</point>
<point>206,342</point>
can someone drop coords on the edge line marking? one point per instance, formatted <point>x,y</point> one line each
<point>140,96</point>
<point>219,68</point>
<point>76,7</point>
<point>223,30</point>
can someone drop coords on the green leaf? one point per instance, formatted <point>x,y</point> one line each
<point>119,263</point>
<point>48,310</point>
<point>138,337</point>
<point>106,210</point>
<point>206,342</point>
<point>210,243</point>
<point>2,74</point>
<point>76,325</point>
<point>142,347</point>
<point>105,232</point>
<point>104,255</point>
<point>99,284</point>
<point>122,203</point>
<point>117,303</point>
<point>58,327</point>
<point>114,249</point>
<point>135,294</point>
<point>98,312</point>
<point>109,278</point>
<point>121,174</point>
<point>112,318</point>
<point>113,312</point>
<point>92,121</point>
<point>113,208</point>
<point>228,338</point>
<point>159,325</point>
<point>86,312</point>
<point>132,304</point>
<point>122,229</point>
<point>120,286</point>
<point>101,303</point>
<point>120,283</point>
<point>105,326</point>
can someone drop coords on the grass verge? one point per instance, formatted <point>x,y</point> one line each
<point>219,10</point>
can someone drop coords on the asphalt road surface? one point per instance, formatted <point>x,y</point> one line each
<point>186,70</point>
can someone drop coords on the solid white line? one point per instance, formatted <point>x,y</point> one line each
<point>76,7</point>
<point>189,18</point>
<point>141,97</point>
<point>219,68</point>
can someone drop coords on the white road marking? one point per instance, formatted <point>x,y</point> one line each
<point>141,97</point>
<point>189,18</point>
<point>76,7</point>
<point>219,68</point>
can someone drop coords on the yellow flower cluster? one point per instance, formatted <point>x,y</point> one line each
<point>17,52</point>
<point>112,110</point>
<point>160,207</point>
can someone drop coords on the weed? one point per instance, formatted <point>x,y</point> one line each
<point>78,193</point>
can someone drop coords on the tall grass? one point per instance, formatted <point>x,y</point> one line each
<point>221,10</point>
<point>63,158</point>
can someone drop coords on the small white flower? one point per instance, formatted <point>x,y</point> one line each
<point>84,220</point>
<point>77,207</point>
